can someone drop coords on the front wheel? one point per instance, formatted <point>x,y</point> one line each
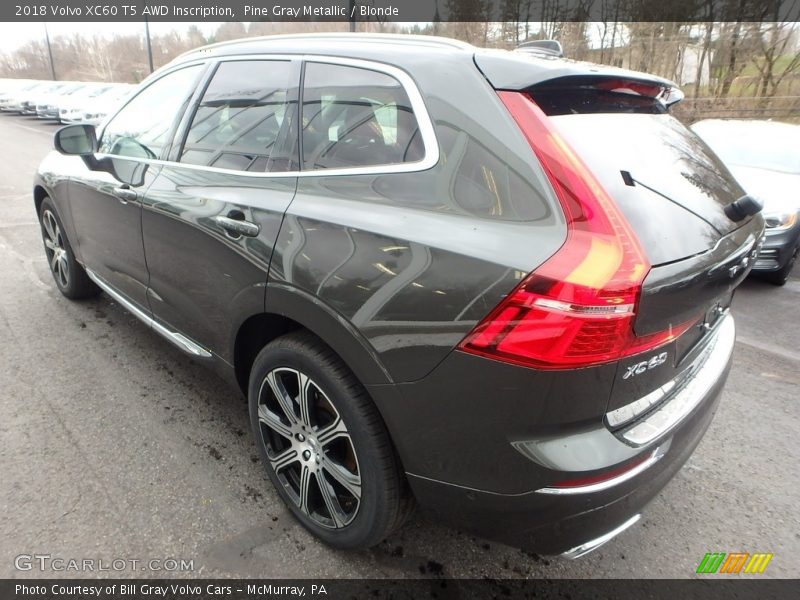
<point>324,445</point>
<point>70,277</point>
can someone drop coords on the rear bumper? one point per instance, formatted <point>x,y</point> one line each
<point>550,519</point>
<point>558,524</point>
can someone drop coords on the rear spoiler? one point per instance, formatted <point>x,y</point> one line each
<point>523,70</point>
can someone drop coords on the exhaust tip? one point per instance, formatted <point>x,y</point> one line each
<point>591,545</point>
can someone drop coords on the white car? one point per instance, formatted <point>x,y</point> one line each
<point>764,157</point>
<point>10,88</point>
<point>71,106</point>
<point>47,104</point>
<point>17,98</point>
<point>96,109</point>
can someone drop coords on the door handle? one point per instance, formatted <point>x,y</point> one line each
<point>237,226</point>
<point>124,194</point>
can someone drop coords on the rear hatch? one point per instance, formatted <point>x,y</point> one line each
<point>669,186</point>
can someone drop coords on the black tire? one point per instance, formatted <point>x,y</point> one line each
<point>70,277</point>
<point>781,276</point>
<point>384,501</point>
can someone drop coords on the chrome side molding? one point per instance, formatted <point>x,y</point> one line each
<point>180,340</point>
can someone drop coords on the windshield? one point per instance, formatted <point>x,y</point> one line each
<point>771,146</point>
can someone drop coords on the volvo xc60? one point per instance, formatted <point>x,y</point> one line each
<point>496,284</point>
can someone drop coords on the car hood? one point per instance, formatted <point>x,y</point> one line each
<point>779,191</point>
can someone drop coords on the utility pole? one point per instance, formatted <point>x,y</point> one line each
<point>50,53</point>
<point>149,46</point>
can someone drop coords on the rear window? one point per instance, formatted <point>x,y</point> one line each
<point>677,204</point>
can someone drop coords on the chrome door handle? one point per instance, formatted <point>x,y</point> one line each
<point>124,194</point>
<point>237,226</point>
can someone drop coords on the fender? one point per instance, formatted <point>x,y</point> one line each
<point>331,327</point>
<point>54,184</point>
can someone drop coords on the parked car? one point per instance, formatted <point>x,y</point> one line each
<point>47,104</point>
<point>764,156</point>
<point>96,109</point>
<point>497,283</point>
<point>72,107</point>
<point>37,95</point>
<point>10,87</point>
<point>18,96</point>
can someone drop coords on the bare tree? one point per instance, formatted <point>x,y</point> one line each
<point>777,57</point>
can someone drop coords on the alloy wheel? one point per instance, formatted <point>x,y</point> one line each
<point>56,248</point>
<point>309,448</point>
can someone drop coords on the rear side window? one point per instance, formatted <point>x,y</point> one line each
<point>354,117</point>
<point>243,118</point>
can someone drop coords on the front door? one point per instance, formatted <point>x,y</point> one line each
<point>107,206</point>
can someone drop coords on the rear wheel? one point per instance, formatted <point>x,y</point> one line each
<point>70,277</point>
<point>324,445</point>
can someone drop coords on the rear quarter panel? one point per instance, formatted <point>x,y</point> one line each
<point>413,260</point>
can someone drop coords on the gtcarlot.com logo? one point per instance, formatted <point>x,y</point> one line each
<point>47,562</point>
<point>734,562</point>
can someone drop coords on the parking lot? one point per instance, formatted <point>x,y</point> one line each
<point>115,445</point>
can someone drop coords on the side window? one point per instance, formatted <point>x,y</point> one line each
<point>243,118</point>
<point>354,117</point>
<point>141,128</point>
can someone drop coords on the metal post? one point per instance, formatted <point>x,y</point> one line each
<point>149,46</point>
<point>50,53</point>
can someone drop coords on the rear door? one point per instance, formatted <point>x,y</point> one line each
<point>212,215</point>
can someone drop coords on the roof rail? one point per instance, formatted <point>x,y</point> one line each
<point>551,47</point>
<point>344,37</point>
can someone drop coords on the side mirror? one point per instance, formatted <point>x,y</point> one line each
<point>76,140</point>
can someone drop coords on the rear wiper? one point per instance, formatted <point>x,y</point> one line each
<point>735,211</point>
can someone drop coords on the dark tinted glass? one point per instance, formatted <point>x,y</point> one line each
<point>242,119</point>
<point>688,185</point>
<point>356,117</point>
<point>571,101</point>
<point>141,128</point>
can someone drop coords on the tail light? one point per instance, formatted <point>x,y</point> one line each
<point>577,309</point>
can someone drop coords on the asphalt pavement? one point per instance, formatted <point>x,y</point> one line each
<point>115,445</point>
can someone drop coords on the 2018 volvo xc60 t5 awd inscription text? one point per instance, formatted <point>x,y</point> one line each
<point>496,284</point>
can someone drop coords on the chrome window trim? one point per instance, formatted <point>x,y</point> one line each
<point>427,132</point>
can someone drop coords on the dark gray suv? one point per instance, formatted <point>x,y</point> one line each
<point>496,283</point>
